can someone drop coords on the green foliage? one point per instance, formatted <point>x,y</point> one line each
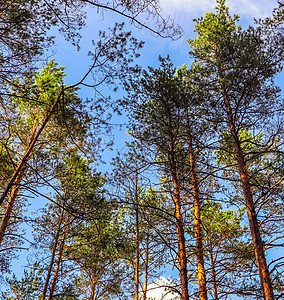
<point>95,243</point>
<point>26,288</point>
<point>23,110</point>
<point>249,144</point>
<point>157,103</point>
<point>216,221</point>
<point>166,105</point>
<point>24,31</point>
<point>41,89</point>
<point>240,63</point>
<point>213,29</point>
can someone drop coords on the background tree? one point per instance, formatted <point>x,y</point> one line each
<point>227,250</point>
<point>144,217</point>
<point>23,110</point>
<point>27,288</point>
<point>89,237</point>
<point>158,124</point>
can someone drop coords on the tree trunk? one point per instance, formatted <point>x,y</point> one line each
<point>11,202</point>
<point>146,267</point>
<point>248,195</point>
<point>92,296</point>
<point>180,229</point>
<point>213,271</point>
<point>30,148</point>
<point>136,238</point>
<point>137,255</point>
<point>59,259</point>
<point>16,186</point>
<point>52,255</point>
<point>197,218</point>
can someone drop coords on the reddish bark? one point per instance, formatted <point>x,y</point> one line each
<point>137,250</point>
<point>11,202</point>
<point>197,219</point>
<point>213,271</point>
<point>52,255</point>
<point>59,258</point>
<point>250,205</point>
<point>182,259</point>
<point>15,186</point>
<point>92,296</point>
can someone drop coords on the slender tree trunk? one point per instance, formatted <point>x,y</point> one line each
<point>180,229</point>
<point>146,267</point>
<point>137,263</point>
<point>52,255</point>
<point>213,271</point>
<point>16,187</point>
<point>92,296</point>
<point>137,238</point>
<point>248,195</point>
<point>10,203</point>
<point>197,218</point>
<point>30,148</point>
<point>59,258</point>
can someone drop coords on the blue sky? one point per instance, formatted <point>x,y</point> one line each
<point>182,11</point>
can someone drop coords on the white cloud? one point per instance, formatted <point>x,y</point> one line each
<point>252,8</point>
<point>192,8</point>
<point>158,290</point>
<point>186,6</point>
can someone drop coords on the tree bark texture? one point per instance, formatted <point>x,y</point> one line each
<point>59,258</point>
<point>197,218</point>
<point>213,272</point>
<point>182,259</point>
<point>11,201</point>
<point>137,249</point>
<point>92,296</point>
<point>53,255</point>
<point>15,186</point>
<point>249,201</point>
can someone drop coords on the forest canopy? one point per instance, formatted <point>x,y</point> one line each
<point>195,195</point>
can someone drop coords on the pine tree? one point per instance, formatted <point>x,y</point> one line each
<point>243,63</point>
<point>158,124</point>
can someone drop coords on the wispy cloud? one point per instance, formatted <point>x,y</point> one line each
<point>192,8</point>
<point>252,8</point>
<point>186,6</point>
